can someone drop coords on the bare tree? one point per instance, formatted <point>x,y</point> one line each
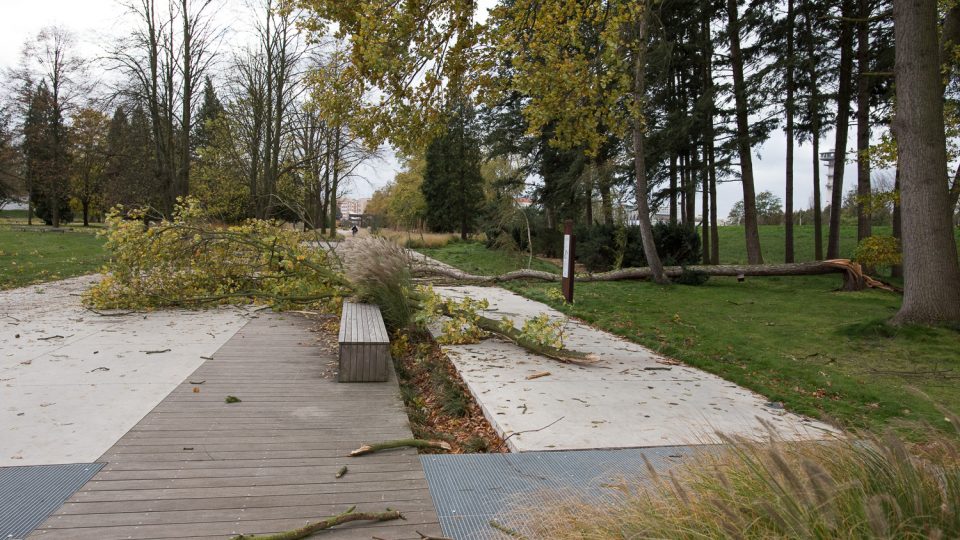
<point>50,60</point>
<point>165,59</point>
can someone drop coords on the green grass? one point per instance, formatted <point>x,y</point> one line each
<point>473,257</point>
<point>796,340</point>
<point>733,249</point>
<point>31,256</point>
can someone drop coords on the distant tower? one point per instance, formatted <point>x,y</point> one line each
<point>827,158</point>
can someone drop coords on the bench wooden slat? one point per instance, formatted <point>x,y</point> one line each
<point>364,344</point>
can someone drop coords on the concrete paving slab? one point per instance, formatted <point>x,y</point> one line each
<point>72,382</point>
<point>632,397</point>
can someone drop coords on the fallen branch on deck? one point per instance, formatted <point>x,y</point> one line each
<point>311,528</point>
<point>853,277</point>
<point>401,443</point>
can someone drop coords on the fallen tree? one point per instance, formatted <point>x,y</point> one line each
<point>853,276</point>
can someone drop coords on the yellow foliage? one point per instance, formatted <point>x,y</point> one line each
<point>188,261</point>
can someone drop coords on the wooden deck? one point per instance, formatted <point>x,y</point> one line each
<point>196,467</point>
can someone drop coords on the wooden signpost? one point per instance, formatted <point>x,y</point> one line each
<point>568,255</point>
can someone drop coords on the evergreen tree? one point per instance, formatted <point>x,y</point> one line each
<point>45,158</point>
<point>452,183</point>
<point>210,111</point>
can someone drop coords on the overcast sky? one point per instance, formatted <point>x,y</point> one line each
<point>96,22</point>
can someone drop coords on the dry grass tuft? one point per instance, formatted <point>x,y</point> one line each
<point>860,486</point>
<point>380,272</point>
<point>417,240</point>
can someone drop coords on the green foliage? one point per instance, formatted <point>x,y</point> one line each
<point>452,184</point>
<point>544,331</point>
<point>189,261</point>
<point>691,277</point>
<point>601,247</point>
<point>769,210</point>
<point>878,251</point>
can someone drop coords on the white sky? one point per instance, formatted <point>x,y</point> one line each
<point>95,22</point>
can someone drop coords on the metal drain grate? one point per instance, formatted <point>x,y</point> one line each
<point>29,494</point>
<point>471,490</point>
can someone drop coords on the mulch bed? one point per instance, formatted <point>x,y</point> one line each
<point>438,402</point>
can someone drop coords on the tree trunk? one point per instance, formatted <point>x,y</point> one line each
<point>606,201</point>
<point>86,212</point>
<point>183,174</point>
<point>752,233</point>
<point>673,187</point>
<point>843,122</point>
<point>788,129</point>
<point>930,269</point>
<point>897,269</point>
<point>864,215</point>
<point>705,214</point>
<point>814,104</point>
<point>640,168</point>
<point>853,277</point>
<point>709,139</point>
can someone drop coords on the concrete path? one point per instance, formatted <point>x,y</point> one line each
<point>632,397</point>
<point>73,382</point>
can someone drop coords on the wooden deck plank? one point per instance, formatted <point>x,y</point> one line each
<point>198,467</point>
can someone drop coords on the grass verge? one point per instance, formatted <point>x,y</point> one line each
<point>473,257</point>
<point>796,340</point>
<point>30,255</point>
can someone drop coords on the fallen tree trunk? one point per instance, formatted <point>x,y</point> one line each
<point>853,277</point>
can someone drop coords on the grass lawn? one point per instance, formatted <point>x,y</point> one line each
<point>32,256</point>
<point>473,257</point>
<point>793,339</point>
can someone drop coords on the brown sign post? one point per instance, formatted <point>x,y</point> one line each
<point>568,255</point>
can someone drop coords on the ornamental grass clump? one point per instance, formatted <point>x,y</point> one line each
<point>846,488</point>
<point>188,261</point>
<point>380,274</point>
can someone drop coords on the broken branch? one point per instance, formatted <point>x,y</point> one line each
<point>311,528</point>
<point>400,443</point>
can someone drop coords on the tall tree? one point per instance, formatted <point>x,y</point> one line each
<point>844,87</point>
<point>930,269</point>
<point>45,158</point>
<point>88,149</point>
<point>789,106</point>
<point>864,229</point>
<point>164,59</point>
<point>743,139</point>
<point>452,183</point>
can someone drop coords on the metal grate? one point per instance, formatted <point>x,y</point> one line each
<point>471,490</point>
<point>29,494</point>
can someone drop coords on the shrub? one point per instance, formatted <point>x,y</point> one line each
<point>878,252</point>
<point>602,247</point>
<point>691,277</point>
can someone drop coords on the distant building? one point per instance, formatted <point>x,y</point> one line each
<point>523,202</point>
<point>633,218</point>
<point>353,206</point>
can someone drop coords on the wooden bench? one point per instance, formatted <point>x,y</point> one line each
<point>364,344</point>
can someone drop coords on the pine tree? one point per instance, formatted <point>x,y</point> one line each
<point>452,184</point>
<point>45,158</point>
<point>210,110</point>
